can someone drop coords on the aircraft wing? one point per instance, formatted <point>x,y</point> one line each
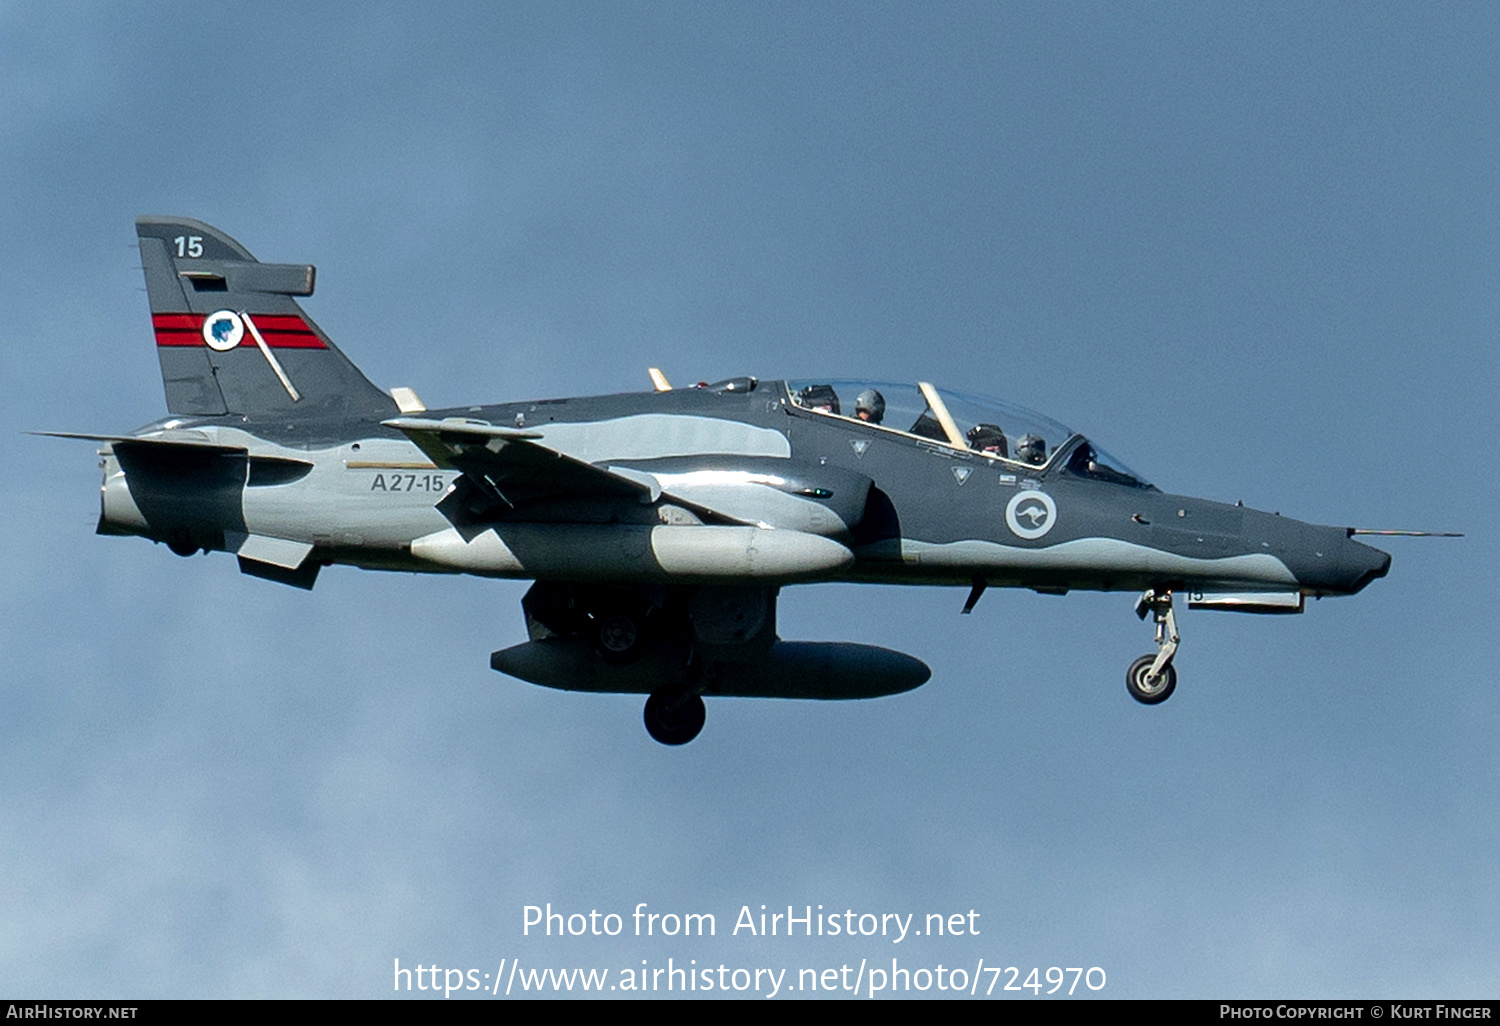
<point>507,465</point>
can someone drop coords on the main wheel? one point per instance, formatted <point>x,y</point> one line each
<point>619,637</point>
<point>1150,692</point>
<point>181,546</point>
<point>674,719</point>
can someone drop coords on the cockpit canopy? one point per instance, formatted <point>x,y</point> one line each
<point>998,430</point>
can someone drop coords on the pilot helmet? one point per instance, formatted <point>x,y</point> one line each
<point>987,438</point>
<point>819,397</point>
<point>1032,449</point>
<point>870,405</point>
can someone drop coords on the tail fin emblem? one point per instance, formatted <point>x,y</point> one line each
<point>223,330</point>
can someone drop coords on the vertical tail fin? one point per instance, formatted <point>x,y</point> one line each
<point>231,337</point>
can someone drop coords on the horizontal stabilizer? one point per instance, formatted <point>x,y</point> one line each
<point>185,440</point>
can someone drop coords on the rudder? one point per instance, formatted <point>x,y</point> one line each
<point>231,338</point>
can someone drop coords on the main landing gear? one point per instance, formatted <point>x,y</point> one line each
<point>675,644</point>
<point>1152,678</point>
<point>674,719</point>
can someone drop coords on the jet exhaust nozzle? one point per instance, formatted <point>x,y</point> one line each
<point>118,512</point>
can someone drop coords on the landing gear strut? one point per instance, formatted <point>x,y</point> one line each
<point>1152,679</point>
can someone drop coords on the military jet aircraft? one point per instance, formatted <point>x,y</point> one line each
<point>659,526</point>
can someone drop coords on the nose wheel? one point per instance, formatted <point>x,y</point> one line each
<point>1151,679</point>
<point>1148,689</point>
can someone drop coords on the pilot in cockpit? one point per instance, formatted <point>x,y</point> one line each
<point>819,397</point>
<point>869,406</point>
<point>988,438</point>
<point>1032,449</point>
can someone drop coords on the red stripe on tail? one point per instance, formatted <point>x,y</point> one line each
<point>281,331</point>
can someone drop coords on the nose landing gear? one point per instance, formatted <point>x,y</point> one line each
<point>1152,679</point>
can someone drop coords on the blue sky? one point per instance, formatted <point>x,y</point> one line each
<point>1251,250</point>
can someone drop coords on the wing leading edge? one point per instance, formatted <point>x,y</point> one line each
<point>507,465</point>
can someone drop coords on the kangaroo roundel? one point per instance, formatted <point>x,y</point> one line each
<point>1030,514</point>
<point>223,330</point>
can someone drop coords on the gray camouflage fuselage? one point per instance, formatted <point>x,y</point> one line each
<point>363,494</point>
